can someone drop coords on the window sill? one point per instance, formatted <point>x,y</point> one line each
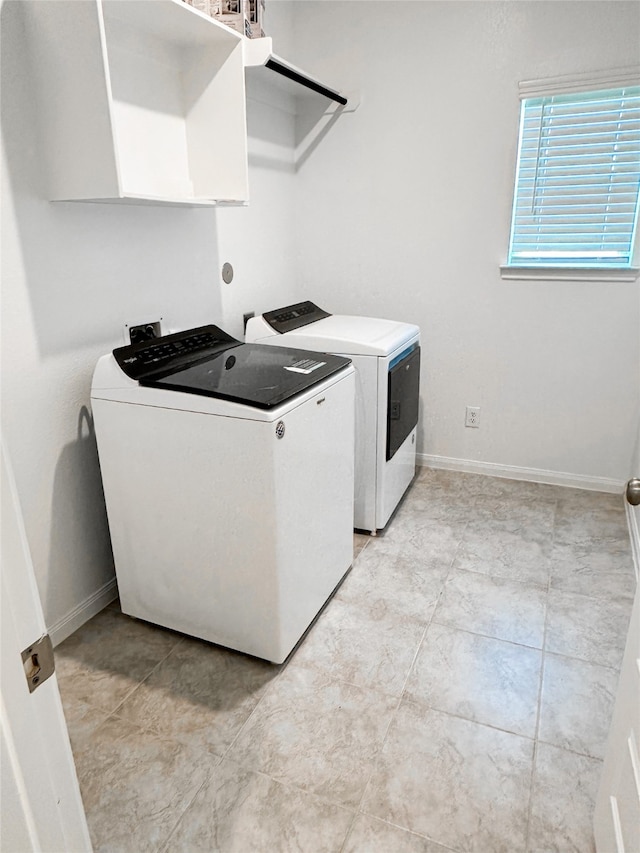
<point>568,273</point>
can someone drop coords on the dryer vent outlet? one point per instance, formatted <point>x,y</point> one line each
<point>144,332</point>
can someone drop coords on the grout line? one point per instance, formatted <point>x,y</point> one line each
<point>368,540</point>
<point>286,783</point>
<point>610,597</point>
<point>534,774</point>
<point>615,669</point>
<point>283,667</point>
<point>146,678</point>
<point>454,627</point>
<point>570,750</point>
<point>526,584</point>
<point>348,832</point>
<point>540,683</point>
<point>416,834</point>
<point>426,705</point>
<point>207,779</point>
<point>132,689</point>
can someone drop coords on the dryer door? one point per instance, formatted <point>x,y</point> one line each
<point>402,405</point>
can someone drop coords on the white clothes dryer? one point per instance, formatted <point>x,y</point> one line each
<point>228,478</point>
<point>386,355</point>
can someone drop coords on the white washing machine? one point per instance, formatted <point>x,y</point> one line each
<point>386,356</point>
<point>228,478</point>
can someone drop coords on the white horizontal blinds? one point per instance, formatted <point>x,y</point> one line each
<point>576,199</point>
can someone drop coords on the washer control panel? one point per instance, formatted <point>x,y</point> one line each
<point>172,352</point>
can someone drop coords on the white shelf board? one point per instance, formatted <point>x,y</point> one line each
<point>132,198</point>
<point>259,52</point>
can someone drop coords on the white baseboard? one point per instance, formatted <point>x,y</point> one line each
<point>512,472</point>
<point>84,611</point>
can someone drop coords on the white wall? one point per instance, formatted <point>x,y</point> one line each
<point>404,212</point>
<point>259,240</point>
<point>72,275</point>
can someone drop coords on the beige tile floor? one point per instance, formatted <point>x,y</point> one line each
<point>455,694</point>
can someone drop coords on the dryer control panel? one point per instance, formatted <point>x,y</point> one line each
<point>293,316</point>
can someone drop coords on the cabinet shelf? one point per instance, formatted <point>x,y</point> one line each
<point>142,102</point>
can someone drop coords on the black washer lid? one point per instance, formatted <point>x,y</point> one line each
<point>209,362</point>
<point>253,374</point>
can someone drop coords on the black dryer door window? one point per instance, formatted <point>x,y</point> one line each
<point>402,401</point>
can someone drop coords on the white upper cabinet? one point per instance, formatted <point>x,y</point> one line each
<point>141,101</point>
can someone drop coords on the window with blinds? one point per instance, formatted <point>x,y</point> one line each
<point>577,180</point>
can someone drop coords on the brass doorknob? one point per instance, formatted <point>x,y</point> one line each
<point>633,491</point>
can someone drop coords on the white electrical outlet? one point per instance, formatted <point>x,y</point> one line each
<point>472,418</point>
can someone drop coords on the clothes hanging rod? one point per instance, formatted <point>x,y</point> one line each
<point>288,72</point>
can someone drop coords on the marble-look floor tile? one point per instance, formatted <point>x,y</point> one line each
<point>576,704</point>
<point>579,500</point>
<point>82,722</point>
<point>240,811</point>
<point>521,554</point>
<point>316,733</point>
<point>531,516</point>
<point>370,835</point>
<point>479,678</point>
<point>112,653</point>
<point>496,607</point>
<point>438,502</point>
<point>440,481</point>
<point>484,486</point>
<point>591,525</point>
<point>408,586</point>
<point>459,783</point>
<point>415,537</point>
<point>428,512</point>
<point>136,785</point>
<point>364,643</point>
<point>563,800</point>
<point>594,570</point>
<point>200,695</point>
<point>592,629</point>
